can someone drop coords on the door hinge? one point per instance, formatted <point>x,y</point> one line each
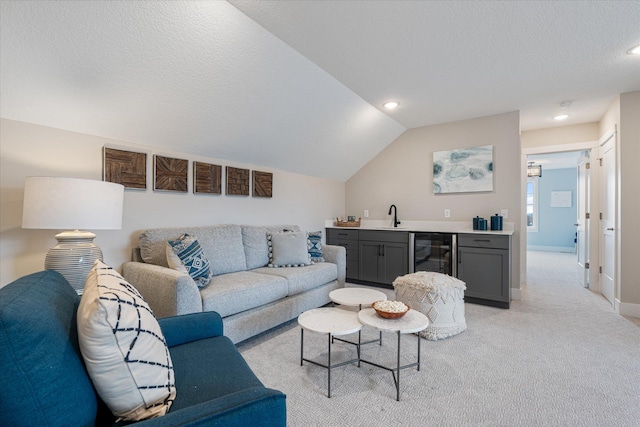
<point>600,269</point>
<point>586,265</point>
<point>587,215</point>
<point>600,160</point>
<point>600,215</point>
<point>587,165</point>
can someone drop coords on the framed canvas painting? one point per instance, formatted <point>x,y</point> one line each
<point>463,170</point>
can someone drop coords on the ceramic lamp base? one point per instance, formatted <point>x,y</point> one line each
<point>73,257</point>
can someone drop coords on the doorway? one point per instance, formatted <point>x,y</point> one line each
<point>563,198</point>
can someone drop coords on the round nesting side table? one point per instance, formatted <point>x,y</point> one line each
<point>412,322</point>
<point>358,297</point>
<point>330,321</point>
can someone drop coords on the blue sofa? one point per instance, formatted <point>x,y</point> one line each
<point>44,381</point>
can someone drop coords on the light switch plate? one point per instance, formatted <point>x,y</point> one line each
<point>504,213</point>
<point>366,213</point>
<point>447,213</point>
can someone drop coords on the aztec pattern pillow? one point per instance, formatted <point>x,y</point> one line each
<point>288,249</point>
<point>314,246</point>
<point>186,255</point>
<point>123,347</point>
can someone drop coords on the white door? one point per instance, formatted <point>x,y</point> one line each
<point>608,221</point>
<point>582,223</point>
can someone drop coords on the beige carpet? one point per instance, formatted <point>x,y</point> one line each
<point>558,357</point>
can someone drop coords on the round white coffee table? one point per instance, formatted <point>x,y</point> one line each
<point>358,297</point>
<point>412,322</point>
<point>330,321</point>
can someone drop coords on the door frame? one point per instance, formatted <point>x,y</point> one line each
<point>594,205</point>
<point>609,135</point>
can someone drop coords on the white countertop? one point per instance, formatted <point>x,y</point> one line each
<point>427,226</point>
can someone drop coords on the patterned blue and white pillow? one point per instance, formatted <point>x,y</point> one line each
<point>185,254</point>
<point>123,347</point>
<point>314,245</point>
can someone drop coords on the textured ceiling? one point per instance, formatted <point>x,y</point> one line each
<point>451,60</point>
<point>298,85</point>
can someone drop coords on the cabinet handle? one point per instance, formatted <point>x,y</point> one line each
<point>342,234</point>
<point>482,240</point>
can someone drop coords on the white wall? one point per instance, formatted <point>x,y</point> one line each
<point>560,135</point>
<point>629,202</point>
<point>33,150</point>
<point>402,174</point>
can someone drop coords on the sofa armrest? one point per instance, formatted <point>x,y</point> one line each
<point>336,255</point>
<point>255,406</point>
<point>168,292</point>
<point>179,330</point>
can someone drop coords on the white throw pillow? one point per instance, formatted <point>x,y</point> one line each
<point>123,347</point>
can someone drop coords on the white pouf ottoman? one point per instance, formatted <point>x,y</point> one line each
<point>439,297</point>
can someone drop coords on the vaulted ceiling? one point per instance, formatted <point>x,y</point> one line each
<point>299,85</point>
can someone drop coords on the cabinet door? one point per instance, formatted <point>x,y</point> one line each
<point>485,271</point>
<point>370,261</point>
<point>396,262</point>
<point>348,239</point>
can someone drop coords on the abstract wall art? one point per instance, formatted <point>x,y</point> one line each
<point>128,168</point>
<point>237,181</point>
<point>262,184</point>
<point>463,170</point>
<point>207,178</point>
<point>170,174</point>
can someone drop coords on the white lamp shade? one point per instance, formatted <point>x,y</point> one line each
<point>72,204</point>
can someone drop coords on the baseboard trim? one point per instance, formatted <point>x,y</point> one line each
<point>628,309</point>
<point>551,249</point>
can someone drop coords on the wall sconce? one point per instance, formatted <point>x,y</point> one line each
<point>533,170</point>
<point>56,203</point>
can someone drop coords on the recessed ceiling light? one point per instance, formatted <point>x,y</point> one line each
<point>391,105</point>
<point>634,50</point>
<point>561,117</point>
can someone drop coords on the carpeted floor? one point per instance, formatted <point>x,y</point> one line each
<point>559,357</point>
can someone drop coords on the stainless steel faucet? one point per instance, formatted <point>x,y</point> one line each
<point>395,215</point>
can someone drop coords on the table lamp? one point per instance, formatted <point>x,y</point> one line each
<point>57,203</point>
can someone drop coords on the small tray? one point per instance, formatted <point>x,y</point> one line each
<point>348,223</point>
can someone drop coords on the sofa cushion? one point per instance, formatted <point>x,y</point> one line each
<point>185,255</point>
<point>254,238</point>
<point>200,379</point>
<point>123,347</point>
<point>304,278</point>
<point>288,249</point>
<point>40,357</point>
<point>236,292</point>
<point>221,244</point>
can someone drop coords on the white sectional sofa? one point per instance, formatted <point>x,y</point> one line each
<point>250,296</point>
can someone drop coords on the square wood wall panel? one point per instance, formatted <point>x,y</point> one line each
<point>207,178</point>
<point>262,184</point>
<point>237,181</point>
<point>125,167</point>
<point>170,174</point>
